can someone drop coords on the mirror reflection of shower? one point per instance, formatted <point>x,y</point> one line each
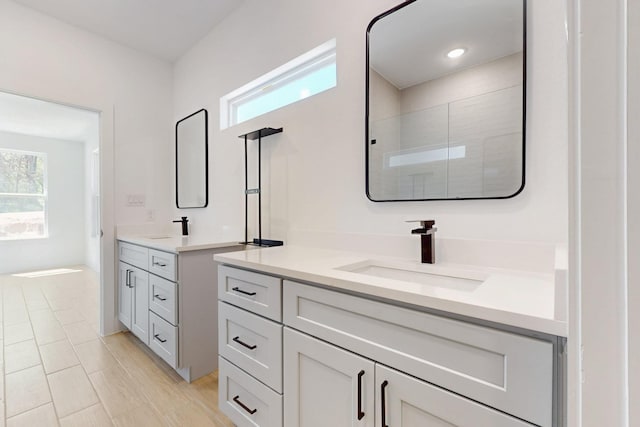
<point>445,100</point>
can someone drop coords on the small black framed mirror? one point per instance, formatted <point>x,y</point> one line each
<point>192,173</point>
<point>445,101</point>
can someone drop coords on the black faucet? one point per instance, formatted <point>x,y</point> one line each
<point>427,240</point>
<point>185,228</point>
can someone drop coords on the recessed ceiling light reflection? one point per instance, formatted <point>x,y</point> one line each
<point>456,53</point>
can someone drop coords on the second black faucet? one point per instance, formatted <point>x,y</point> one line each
<point>185,225</point>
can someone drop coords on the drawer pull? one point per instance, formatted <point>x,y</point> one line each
<point>383,404</point>
<point>250,347</point>
<point>159,264</point>
<point>157,296</point>
<point>157,337</point>
<point>360,411</point>
<point>237,289</point>
<point>243,406</point>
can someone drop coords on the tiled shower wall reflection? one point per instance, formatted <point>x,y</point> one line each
<point>470,146</point>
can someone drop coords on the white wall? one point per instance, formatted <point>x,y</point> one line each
<point>45,58</point>
<point>317,165</point>
<point>65,244</point>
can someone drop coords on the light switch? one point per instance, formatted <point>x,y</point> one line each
<point>135,200</point>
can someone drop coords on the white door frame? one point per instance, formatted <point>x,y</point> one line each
<point>108,304</point>
<point>600,205</point>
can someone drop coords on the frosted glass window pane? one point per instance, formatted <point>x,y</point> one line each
<point>293,91</point>
<point>307,75</point>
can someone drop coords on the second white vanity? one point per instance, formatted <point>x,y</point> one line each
<point>310,337</point>
<point>164,292</point>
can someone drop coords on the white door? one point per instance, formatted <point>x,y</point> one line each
<point>140,313</point>
<point>124,293</point>
<point>403,401</point>
<point>325,385</point>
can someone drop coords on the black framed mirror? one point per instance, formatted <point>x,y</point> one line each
<point>192,174</point>
<point>445,100</point>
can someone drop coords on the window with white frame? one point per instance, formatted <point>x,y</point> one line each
<point>23,194</point>
<point>307,75</point>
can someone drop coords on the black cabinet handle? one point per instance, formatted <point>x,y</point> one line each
<point>157,336</point>
<point>383,403</point>
<point>128,281</point>
<point>243,406</point>
<point>159,264</point>
<point>237,289</point>
<point>157,296</point>
<point>250,347</point>
<point>360,411</point>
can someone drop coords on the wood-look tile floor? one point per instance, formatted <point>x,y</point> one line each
<point>58,371</point>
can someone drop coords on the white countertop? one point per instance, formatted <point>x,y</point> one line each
<point>177,244</point>
<point>516,298</point>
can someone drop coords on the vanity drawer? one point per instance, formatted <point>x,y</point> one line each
<point>510,372</point>
<point>162,264</point>
<point>134,255</point>
<point>255,292</point>
<point>163,339</point>
<point>245,400</point>
<point>252,342</point>
<point>163,298</point>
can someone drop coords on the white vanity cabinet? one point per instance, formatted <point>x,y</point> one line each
<point>163,299</point>
<point>133,290</point>
<point>125,295</point>
<point>404,401</point>
<point>138,292</point>
<point>349,360</point>
<point>250,346</point>
<point>507,371</point>
<point>326,385</point>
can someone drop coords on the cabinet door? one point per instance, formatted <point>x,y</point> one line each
<point>403,401</point>
<point>325,385</point>
<point>504,370</point>
<point>124,294</point>
<point>140,304</point>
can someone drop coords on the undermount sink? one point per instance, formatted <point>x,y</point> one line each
<point>442,277</point>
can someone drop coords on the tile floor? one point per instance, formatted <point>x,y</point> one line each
<point>57,370</point>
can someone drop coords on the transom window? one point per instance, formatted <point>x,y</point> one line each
<point>23,194</point>
<point>302,77</point>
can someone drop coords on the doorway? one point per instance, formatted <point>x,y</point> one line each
<point>51,205</point>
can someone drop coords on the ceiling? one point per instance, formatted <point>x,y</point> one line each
<point>34,117</point>
<point>410,46</point>
<point>165,29</point>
